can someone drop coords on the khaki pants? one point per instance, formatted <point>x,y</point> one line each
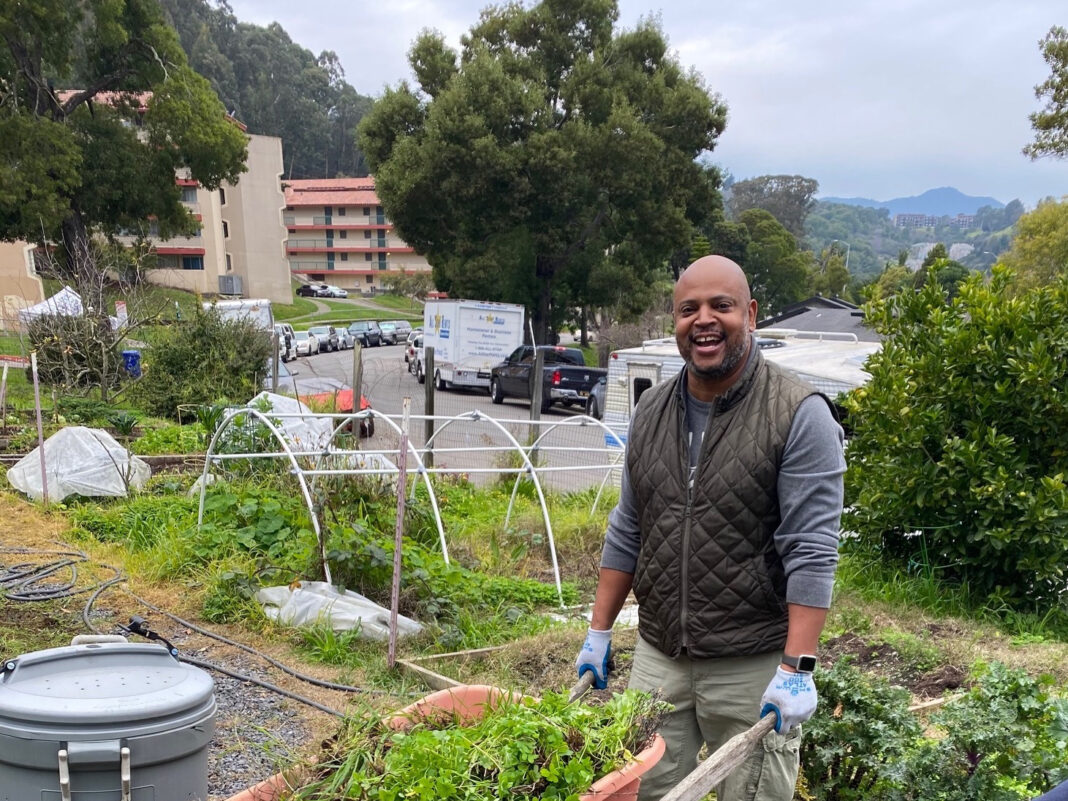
<point>714,700</point>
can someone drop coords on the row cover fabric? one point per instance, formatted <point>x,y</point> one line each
<point>80,461</point>
<point>307,603</point>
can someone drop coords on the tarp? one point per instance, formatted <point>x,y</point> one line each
<point>66,302</point>
<point>307,603</point>
<point>80,461</point>
<point>303,433</point>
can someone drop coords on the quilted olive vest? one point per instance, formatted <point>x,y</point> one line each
<point>708,577</point>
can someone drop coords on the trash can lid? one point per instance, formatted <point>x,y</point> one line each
<point>137,686</point>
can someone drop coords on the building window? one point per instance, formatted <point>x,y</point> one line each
<point>226,229</point>
<point>367,234</point>
<point>192,262</point>
<point>367,256</point>
<point>341,211</point>
<point>222,196</point>
<point>366,211</point>
<point>344,256</point>
<point>342,234</point>
<point>229,265</point>
<point>370,279</point>
<point>189,194</point>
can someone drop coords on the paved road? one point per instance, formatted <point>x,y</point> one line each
<point>466,445</point>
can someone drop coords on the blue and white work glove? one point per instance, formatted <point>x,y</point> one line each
<point>594,656</point>
<point>792,697</point>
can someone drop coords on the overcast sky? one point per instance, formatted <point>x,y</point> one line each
<point>871,98</point>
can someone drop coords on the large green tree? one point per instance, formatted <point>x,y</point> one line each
<point>788,198</point>
<point>276,87</point>
<point>1051,123</point>
<point>778,272</point>
<point>548,142</point>
<point>1039,252</point>
<point>98,108</point>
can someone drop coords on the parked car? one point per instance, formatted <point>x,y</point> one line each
<point>565,377</point>
<point>366,332</point>
<point>595,402</point>
<point>389,333</point>
<point>306,343</point>
<point>327,336</point>
<point>286,347</point>
<point>335,292</point>
<point>417,334</point>
<point>345,339</point>
<point>312,290</point>
<point>403,329</point>
<point>413,355</point>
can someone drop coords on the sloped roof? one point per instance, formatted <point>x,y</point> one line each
<point>331,192</point>
<point>830,315</point>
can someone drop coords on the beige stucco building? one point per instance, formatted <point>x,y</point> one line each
<point>20,286</point>
<point>338,234</point>
<point>240,248</point>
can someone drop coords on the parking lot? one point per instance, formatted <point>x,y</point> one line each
<point>473,432</point>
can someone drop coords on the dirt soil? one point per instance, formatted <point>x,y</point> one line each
<point>258,730</point>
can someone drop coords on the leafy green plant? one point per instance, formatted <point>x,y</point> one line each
<point>228,357</point>
<point>139,522</point>
<point>124,422</point>
<point>258,520</point>
<point>958,463</point>
<point>84,411</point>
<point>861,728</point>
<point>546,748</point>
<point>169,439</point>
<point>1004,741</point>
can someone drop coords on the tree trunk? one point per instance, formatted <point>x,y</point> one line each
<point>584,327</point>
<point>545,269</point>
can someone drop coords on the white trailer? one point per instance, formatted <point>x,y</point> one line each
<point>469,337</point>
<point>258,310</point>
<point>832,363</point>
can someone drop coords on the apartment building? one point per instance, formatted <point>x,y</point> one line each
<point>240,247</point>
<point>338,234</point>
<point>20,285</point>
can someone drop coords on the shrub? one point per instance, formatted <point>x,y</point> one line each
<point>1002,742</point>
<point>861,727</point>
<point>959,458</point>
<point>229,359</point>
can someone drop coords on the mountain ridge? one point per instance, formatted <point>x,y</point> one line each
<point>940,202</point>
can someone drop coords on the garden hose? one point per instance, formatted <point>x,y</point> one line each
<point>27,583</point>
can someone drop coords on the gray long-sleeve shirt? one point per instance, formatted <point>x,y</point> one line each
<point>810,492</point>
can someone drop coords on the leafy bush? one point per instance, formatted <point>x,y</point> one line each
<point>170,439</point>
<point>959,459</point>
<point>84,411</point>
<point>861,727</point>
<point>139,522</point>
<point>227,357</point>
<point>1004,741</point>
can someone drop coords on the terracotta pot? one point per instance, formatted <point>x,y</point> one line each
<point>468,702</point>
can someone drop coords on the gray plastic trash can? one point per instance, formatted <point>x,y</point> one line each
<point>104,722</point>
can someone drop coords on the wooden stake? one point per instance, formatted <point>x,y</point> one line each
<point>40,426</point>
<point>398,536</point>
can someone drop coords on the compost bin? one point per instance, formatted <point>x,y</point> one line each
<point>113,721</point>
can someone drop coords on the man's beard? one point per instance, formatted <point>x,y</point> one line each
<point>732,357</point>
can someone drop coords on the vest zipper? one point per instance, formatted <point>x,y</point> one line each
<point>684,584</point>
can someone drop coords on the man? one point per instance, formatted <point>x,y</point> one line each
<point>727,531</point>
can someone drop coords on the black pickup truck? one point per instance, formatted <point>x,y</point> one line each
<point>565,379</point>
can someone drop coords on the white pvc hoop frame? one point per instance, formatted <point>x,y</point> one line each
<point>421,470</point>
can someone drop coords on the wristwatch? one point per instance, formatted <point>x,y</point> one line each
<point>805,663</point>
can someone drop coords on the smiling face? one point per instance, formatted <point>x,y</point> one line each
<point>714,316</point>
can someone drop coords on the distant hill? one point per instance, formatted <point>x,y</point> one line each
<point>939,202</point>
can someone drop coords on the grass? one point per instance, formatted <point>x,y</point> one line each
<point>11,345</point>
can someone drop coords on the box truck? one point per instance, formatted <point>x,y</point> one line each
<point>469,337</point>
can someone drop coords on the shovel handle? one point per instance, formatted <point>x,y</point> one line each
<point>720,765</point>
<point>582,686</point>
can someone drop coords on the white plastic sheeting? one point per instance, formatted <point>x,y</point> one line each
<point>309,433</point>
<point>307,603</point>
<point>80,461</point>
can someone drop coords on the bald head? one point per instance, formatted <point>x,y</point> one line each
<point>718,269</point>
<point>714,315</point>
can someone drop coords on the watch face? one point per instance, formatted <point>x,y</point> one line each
<point>806,663</point>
